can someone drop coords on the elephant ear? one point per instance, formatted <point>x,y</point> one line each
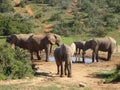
<point>52,38</point>
<point>94,43</point>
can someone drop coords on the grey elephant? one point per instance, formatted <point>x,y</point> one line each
<point>105,44</point>
<point>20,40</point>
<point>62,54</point>
<point>43,41</point>
<point>79,47</point>
<point>35,42</point>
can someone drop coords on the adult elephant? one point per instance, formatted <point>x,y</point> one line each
<point>105,44</point>
<point>34,42</point>
<point>43,41</point>
<point>64,53</point>
<point>20,40</point>
<point>79,47</point>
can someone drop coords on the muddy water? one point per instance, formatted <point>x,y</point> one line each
<point>87,60</point>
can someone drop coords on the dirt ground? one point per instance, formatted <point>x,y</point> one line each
<point>81,73</point>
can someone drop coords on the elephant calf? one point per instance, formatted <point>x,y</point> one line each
<point>79,47</point>
<point>64,53</point>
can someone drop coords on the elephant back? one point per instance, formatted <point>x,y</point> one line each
<point>66,50</point>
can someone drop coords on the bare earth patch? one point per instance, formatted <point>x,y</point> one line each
<point>81,73</point>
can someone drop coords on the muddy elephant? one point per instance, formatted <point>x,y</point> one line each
<point>43,41</point>
<point>79,47</point>
<point>105,44</point>
<point>62,54</point>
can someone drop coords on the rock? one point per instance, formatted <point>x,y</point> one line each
<point>81,84</point>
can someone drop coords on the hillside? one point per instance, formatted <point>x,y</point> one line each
<point>69,17</point>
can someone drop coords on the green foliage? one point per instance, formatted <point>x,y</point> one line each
<point>5,6</point>
<point>15,24</point>
<point>60,3</point>
<point>111,76</point>
<point>88,17</point>
<point>91,16</point>
<point>39,15</point>
<point>14,64</point>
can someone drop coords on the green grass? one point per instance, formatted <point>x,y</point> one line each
<point>110,76</point>
<point>71,39</point>
<point>115,35</point>
<point>2,39</point>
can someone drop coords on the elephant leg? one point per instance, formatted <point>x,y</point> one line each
<point>50,49</point>
<point>93,56</point>
<point>96,57</point>
<point>109,55</point>
<point>65,69</point>
<point>31,55</point>
<point>47,55</point>
<point>47,50</point>
<point>68,66</point>
<point>79,51</point>
<point>38,56</point>
<point>76,56</point>
<point>61,75</point>
<point>83,58</point>
<point>57,69</point>
<point>69,70</point>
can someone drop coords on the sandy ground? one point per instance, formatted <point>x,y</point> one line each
<point>81,73</point>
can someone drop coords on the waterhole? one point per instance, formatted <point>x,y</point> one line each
<point>87,60</point>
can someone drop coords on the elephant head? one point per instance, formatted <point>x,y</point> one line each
<point>89,45</point>
<point>54,39</point>
<point>13,40</point>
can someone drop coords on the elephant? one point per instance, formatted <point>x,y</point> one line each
<point>43,41</point>
<point>35,42</point>
<point>62,54</point>
<point>105,44</point>
<point>19,40</point>
<point>79,47</point>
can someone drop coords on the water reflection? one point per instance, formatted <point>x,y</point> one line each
<point>87,60</point>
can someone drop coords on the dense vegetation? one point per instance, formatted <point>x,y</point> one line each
<point>11,23</point>
<point>14,64</point>
<point>91,16</point>
<point>70,17</point>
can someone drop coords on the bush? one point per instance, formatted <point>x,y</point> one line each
<point>14,25</point>
<point>111,76</point>
<point>38,15</point>
<point>14,64</point>
<point>5,6</point>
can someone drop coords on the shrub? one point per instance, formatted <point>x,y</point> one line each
<point>14,64</point>
<point>5,6</point>
<point>14,25</point>
<point>38,15</point>
<point>111,76</point>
